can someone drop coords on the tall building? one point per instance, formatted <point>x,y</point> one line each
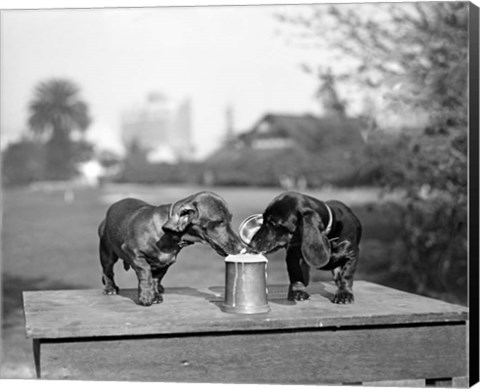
<point>161,127</point>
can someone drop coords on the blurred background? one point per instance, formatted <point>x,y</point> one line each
<point>364,103</point>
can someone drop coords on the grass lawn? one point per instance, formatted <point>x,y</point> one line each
<point>49,244</point>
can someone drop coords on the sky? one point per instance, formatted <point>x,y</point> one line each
<point>216,56</point>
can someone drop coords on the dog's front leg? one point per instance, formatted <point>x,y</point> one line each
<point>298,273</point>
<point>343,275</point>
<point>146,291</point>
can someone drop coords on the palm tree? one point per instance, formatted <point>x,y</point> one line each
<point>55,112</point>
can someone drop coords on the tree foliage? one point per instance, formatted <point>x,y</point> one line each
<point>57,107</point>
<point>22,163</point>
<point>421,47</point>
<point>415,56</point>
<point>56,112</point>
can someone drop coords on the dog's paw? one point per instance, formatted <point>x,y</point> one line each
<point>110,289</point>
<point>146,297</point>
<point>296,292</point>
<point>343,297</point>
<point>157,299</point>
<point>298,295</point>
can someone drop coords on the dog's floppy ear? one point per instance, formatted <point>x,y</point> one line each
<point>180,217</point>
<point>315,245</point>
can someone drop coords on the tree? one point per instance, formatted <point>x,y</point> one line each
<point>418,50</point>
<point>22,162</point>
<point>56,112</point>
<point>414,55</point>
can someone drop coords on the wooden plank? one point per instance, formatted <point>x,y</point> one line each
<point>84,313</point>
<point>285,357</point>
<point>438,383</point>
<point>397,383</point>
<point>460,382</point>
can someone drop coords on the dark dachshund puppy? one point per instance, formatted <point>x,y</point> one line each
<point>323,235</point>
<point>148,238</point>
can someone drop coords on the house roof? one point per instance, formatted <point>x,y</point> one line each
<point>309,130</point>
<point>325,149</point>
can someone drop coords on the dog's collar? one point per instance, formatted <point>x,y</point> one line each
<point>330,220</point>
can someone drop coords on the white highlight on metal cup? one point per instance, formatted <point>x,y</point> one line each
<point>246,284</point>
<point>250,226</point>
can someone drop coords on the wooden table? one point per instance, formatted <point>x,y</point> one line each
<point>385,335</point>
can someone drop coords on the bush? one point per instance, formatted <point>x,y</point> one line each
<point>23,163</point>
<point>247,166</point>
<point>431,170</point>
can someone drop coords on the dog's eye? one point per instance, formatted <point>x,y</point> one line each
<point>281,228</point>
<point>185,212</point>
<point>285,229</point>
<point>274,223</point>
<point>213,224</point>
<point>218,223</point>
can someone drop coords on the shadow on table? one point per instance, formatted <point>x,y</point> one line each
<point>277,294</point>
<point>132,294</point>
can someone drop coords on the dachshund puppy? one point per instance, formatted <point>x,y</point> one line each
<point>148,238</point>
<point>324,235</point>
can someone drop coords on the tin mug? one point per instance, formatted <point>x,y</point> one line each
<point>246,284</point>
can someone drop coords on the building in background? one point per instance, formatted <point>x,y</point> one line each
<point>161,127</point>
<point>295,151</point>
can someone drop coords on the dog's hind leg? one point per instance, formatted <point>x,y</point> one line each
<point>107,259</point>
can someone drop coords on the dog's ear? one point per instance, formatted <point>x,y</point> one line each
<point>211,207</point>
<point>315,245</point>
<point>180,217</point>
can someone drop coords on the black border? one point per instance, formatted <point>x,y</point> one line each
<point>474,194</point>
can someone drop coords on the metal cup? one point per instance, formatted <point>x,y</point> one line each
<point>246,284</point>
<point>250,226</point>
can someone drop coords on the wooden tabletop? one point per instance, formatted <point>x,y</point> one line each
<point>89,313</point>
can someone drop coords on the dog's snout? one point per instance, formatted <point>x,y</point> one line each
<point>171,228</point>
<point>254,249</point>
<point>168,228</point>
<point>255,243</point>
<point>257,250</point>
<point>236,246</point>
<point>263,242</point>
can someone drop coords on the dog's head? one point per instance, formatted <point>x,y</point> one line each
<point>204,217</point>
<point>290,219</point>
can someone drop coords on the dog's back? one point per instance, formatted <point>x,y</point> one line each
<point>118,217</point>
